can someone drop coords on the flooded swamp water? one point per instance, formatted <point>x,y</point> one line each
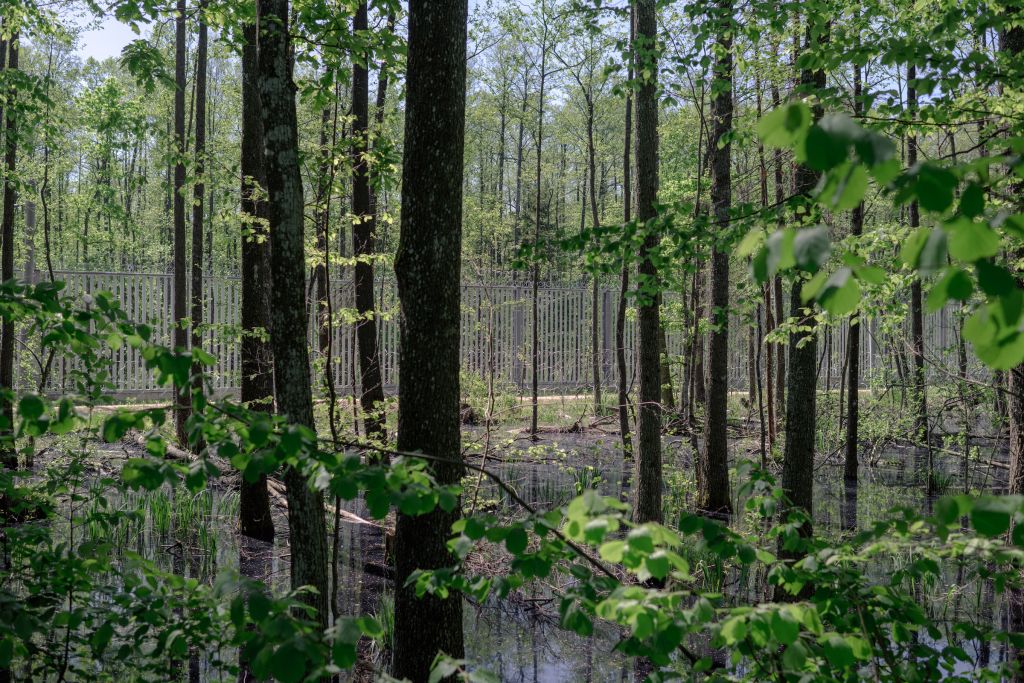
<point>518,638</point>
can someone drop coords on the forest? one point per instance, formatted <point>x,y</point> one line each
<point>512,340</point>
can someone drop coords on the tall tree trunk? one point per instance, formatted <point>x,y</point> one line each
<point>668,399</point>
<point>776,284</point>
<point>322,224</point>
<point>648,495</point>
<point>801,404</point>
<point>916,307</point>
<point>713,466</point>
<point>1012,43</point>
<point>306,526</point>
<point>853,338</point>
<point>519,171</point>
<point>500,190</point>
<point>256,356</point>
<point>535,326</point>
<point>180,284</point>
<point>428,267</point>
<point>700,374</point>
<point>766,293</point>
<point>595,319</point>
<point>372,395</point>
<point>620,318</point>
<point>197,200</point>
<point>7,452</point>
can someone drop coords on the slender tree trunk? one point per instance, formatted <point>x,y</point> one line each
<point>700,375</point>
<point>916,307</point>
<point>595,320</point>
<point>766,293</point>
<point>713,466</point>
<point>668,399</point>
<point>256,356</point>
<point>620,318</point>
<point>776,285</point>
<point>502,126</point>
<point>307,529</point>
<point>801,405</point>
<point>428,270</point>
<point>648,496</point>
<point>372,395</point>
<point>197,200</point>
<point>519,167</point>
<point>535,327</point>
<point>7,452</point>
<point>322,224</point>
<point>180,284</point>
<point>853,339</point>
<point>1012,43</point>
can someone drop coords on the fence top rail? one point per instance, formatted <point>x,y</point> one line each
<point>525,284</point>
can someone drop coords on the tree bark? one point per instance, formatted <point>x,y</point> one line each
<point>648,496</point>
<point>535,274</point>
<point>257,390</point>
<point>916,307</point>
<point>197,200</point>
<point>713,475</point>
<point>306,526</point>
<point>7,451</point>
<point>595,320</point>
<point>1012,43</point>
<point>776,284</point>
<point>180,288</point>
<point>427,268</point>
<point>850,464</point>
<point>801,404</point>
<point>371,396</point>
<point>322,224</point>
<point>620,318</point>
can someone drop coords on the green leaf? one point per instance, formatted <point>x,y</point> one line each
<point>993,279</point>
<point>990,519</point>
<point>31,407</point>
<point>287,664</point>
<point>785,628</point>
<point>955,284</point>
<point>779,246</point>
<point>972,201</point>
<point>734,630</point>
<point>934,187</point>
<point>873,275</point>
<point>886,172</point>
<point>970,241</point>
<point>841,293</point>
<point>824,150</point>
<point>370,627</point>
<point>810,289</point>
<point>811,248</point>
<point>613,551</point>
<point>117,425</point>
<point>516,540</point>
<point>101,638</point>
<point>850,189</point>
<point>783,126</point>
<point>750,243</point>
<point>139,472</point>
<point>657,564</point>
<point>925,250</point>
<point>838,651</point>
<point>795,656</point>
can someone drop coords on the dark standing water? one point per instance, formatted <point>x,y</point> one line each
<point>519,638</point>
